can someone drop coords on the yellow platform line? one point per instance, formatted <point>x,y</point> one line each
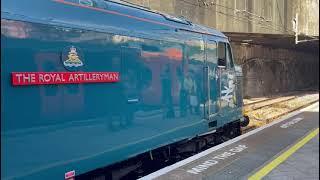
<point>273,164</point>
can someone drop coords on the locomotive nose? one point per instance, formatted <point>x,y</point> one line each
<point>244,121</point>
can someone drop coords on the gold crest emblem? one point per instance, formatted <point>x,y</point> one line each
<point>73,58</point>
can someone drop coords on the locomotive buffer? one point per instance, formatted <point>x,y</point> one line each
<point>284,149</point>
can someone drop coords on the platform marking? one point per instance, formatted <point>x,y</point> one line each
<point>208,151</point>
<point>290,123</point>
<point>211,161</point>
<point>276,162</point>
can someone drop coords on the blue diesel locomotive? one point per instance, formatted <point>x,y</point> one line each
<point>90,83</point>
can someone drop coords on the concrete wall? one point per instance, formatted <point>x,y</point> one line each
<point>258,16</point>
<point>269,71</point>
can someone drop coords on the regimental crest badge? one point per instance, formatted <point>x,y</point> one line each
<point>73,58</point>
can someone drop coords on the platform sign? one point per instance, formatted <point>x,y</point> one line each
<point>45,78</point>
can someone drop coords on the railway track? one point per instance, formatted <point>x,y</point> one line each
<point>291,94</point>
<point>257,102</point>
<point>254,106</point>
<point>287,112</point>
<point>269,120</point>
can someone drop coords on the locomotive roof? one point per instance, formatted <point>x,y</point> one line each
<point>142,17</point>
<point>179,23</point>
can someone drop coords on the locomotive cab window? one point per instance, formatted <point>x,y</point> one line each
<point>229,57</point>
<point>222,54</point>
<point>212,52</point>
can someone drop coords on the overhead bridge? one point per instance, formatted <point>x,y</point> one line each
<point>284,149</point>
<point>309,44</point>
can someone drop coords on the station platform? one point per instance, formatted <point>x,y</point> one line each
<point>285,149</point>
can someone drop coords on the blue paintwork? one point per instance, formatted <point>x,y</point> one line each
<point>52,129</point>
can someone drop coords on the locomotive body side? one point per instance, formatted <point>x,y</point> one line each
<point>160,96</point>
